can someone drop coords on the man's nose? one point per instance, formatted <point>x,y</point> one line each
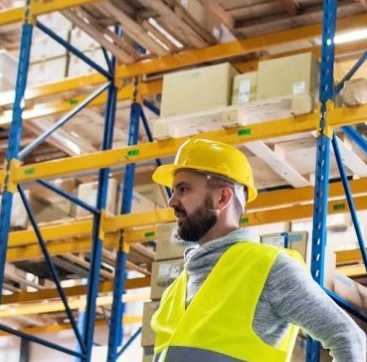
<point>173,201</point>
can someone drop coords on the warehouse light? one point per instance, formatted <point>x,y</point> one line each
<point>350,36</point>
<point>347,37</point>
<point>172,39</point>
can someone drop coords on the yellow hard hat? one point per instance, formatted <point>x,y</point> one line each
<point>210,156</point>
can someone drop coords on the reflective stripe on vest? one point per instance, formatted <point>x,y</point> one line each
<point>218,322</point>
<point>188,354</point>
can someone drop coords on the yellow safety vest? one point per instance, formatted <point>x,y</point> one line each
<point>217,325</point>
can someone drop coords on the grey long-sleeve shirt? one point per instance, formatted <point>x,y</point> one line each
<point>290,295</point>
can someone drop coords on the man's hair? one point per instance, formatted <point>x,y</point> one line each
<point>214,182</point>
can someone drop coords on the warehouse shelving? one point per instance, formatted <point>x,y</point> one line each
<point>112,226</point>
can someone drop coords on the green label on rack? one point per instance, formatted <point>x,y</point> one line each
<point>133,152</point>
<point>30,171</point>
<point>74,102</point>
<point>244,220</point>
<point>244,132</point>
<point>338,207</point>
<point>149,234</point>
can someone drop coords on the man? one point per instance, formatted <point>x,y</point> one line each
<point>237,300</point>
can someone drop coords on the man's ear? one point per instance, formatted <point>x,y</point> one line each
<point>225,197</point>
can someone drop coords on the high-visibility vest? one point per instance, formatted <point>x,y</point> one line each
<point>217,324</point>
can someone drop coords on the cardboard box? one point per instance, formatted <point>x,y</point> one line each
<point>163,275</point>
<point>87,192</point>
<point>147,334</point>
<point>47,71</point>
<point>244,88</point>
<point>82,41</point>
<point>148,354</point>
<point>78,67</point>
<point>297,240</point>
<point>45,47</point>
<point>197,89</point>
<point>351,291</point>
<point>8,71</point>
<point>154,193</point>
<point>169,246</point>
<point>293,75</point>
<point>139,203</point>
<point>44,210</point>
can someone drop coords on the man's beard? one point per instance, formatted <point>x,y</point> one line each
<point>194,226</point>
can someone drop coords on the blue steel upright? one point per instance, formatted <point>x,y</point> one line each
<point>322,158</point>
<point>116,329</point>
<point>15,134</point>
<point>97,239</point>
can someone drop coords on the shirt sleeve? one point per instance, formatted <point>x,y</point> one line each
<point>298,299</point>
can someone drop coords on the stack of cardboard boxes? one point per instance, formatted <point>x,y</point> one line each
<point>46,205</point>
<point>289,83</point>
<point>166,268</point>
<point>48,59</point>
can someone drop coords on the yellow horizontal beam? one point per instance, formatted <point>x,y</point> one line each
<point>11,16</point>
<point>44,110</point>
<point>54,232</point>
<point>303,194</point>
<point>79,244</point>
<point>53,328</point>
<point>43,90</point>
<point>58,306</point>
<point>80,290</point>
<point>348,256</point>
<point>38,7</point>
<point>352,271</point>
<point>233,49</point>
<point>159,149</point>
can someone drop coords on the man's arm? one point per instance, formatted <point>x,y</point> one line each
<point>298,299</point>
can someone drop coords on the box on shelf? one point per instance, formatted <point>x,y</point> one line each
<point>351,291</point>
<point>293,75</point>
<point>153,192</point>
<point>169,246</point>
<point>78,67</point>
<point>244,88</point>
<point>47,71</point>
<point>87,192</point>
<point>163,275</point>
<point>147,334</point>
<point>8,71</point>
<point>148,354</point>
<point>197,89</point>
<point>45,47</point>
<point>139,203</point>
<point>82,41</point>
<point>44,210</point>
<point>297,240</point>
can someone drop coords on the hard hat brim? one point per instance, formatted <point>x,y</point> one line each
<point>164,176</point>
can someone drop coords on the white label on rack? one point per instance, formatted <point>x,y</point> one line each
<point>299,87</point>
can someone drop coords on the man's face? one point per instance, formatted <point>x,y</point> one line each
<point>193,205</point>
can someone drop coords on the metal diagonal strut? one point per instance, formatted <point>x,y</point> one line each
<point>50,264</point>
<point>63,120</point>
<point>38,340</point>
<point>350,200</point>
<point>74,50</point>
